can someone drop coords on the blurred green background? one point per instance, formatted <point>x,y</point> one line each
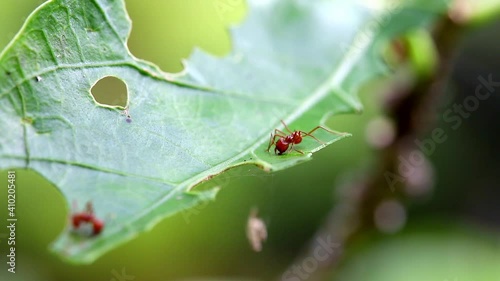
<point>452,234</point>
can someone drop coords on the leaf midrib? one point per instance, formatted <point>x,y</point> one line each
<point>333,81</point>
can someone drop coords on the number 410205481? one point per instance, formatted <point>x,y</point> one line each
<point>11,179</point>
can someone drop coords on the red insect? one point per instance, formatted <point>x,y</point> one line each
<point>287,141</point>
<point>86,223</point>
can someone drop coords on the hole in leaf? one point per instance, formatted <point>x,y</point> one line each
<point>110,91</point>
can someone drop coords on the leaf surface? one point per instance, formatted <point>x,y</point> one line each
<point>300,61</point>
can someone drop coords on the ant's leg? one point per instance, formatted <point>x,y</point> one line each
<point>272,140</point>
<point>293,148</point>
<point>320,127</point>
<point>309,135</point>
<point>280,132</point>
<point>286,127</point>
<point>328,130</point>
<point>89,208</point>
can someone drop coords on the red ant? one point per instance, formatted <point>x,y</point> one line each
<point>287,141</point>
<point>85,223</point>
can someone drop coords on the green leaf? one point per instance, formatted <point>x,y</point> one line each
<point>300,61</point>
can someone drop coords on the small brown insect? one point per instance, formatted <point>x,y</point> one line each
<point>127,114</point>
<point>256,230</point>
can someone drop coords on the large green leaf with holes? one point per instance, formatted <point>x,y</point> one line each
<point>297,60</point>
